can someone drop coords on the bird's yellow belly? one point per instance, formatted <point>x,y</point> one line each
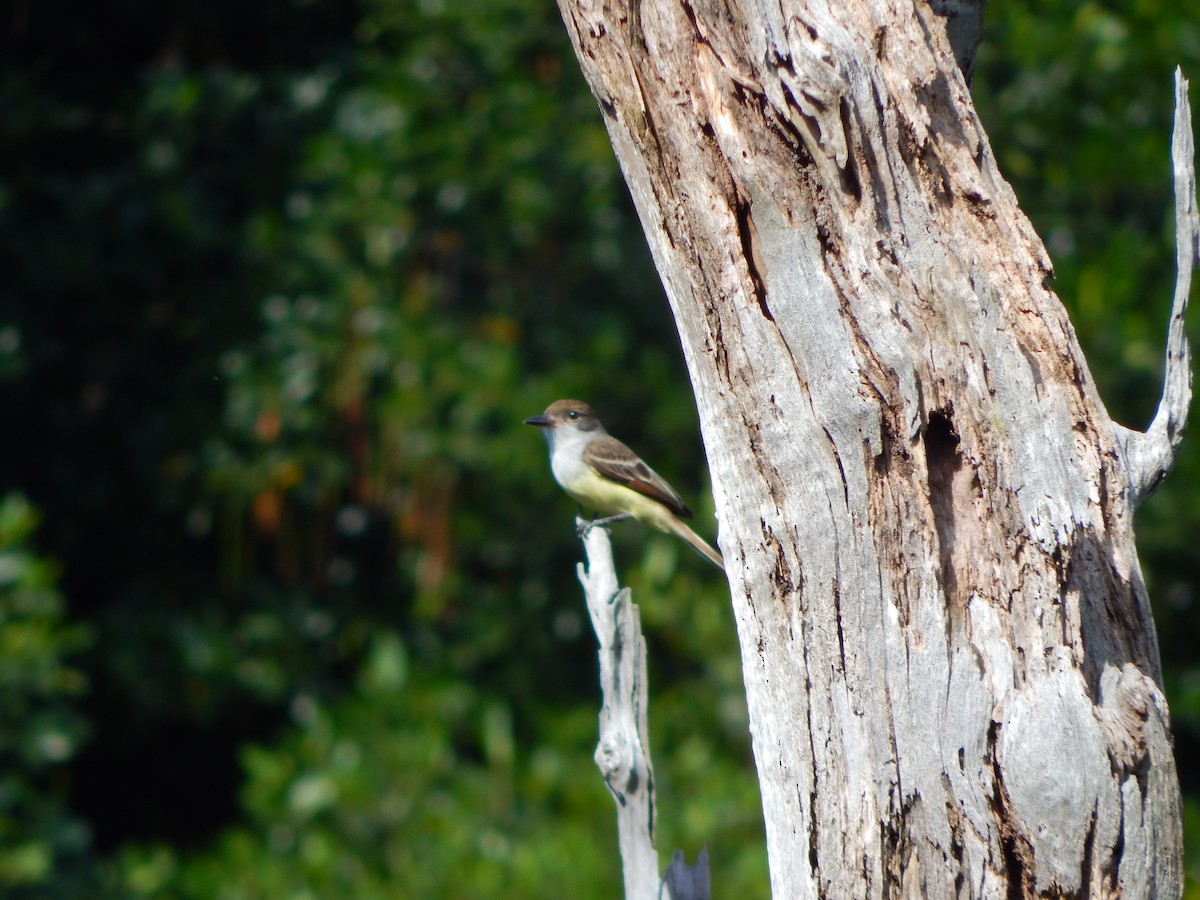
<point>609,498</point>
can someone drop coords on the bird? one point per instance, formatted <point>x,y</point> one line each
<point>601,473</point>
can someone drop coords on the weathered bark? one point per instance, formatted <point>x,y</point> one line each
<point>623,752</point>
<point>925,510</point>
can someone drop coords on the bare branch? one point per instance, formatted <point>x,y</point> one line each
<point>623,753</point>
<point>1151,454</point>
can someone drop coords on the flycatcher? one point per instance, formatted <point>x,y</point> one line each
<point>600,472</point>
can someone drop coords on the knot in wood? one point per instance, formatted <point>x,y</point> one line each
<point>613,757</point>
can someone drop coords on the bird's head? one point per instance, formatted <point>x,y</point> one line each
<point>570,414</point>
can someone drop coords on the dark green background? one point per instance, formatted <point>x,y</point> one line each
<point>287,601</point>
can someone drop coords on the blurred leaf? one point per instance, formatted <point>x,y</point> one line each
<point>41,727</point>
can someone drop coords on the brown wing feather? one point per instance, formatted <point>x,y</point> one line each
<point>614,460</point>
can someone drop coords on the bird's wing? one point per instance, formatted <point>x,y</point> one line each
<point>613,460</point>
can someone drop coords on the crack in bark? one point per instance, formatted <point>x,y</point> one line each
<point>837,458</point>
<point>836,589</point>
<point>781,574</point>
<point>1110,871</point>
<point>752,251</point>
<point>943,460</point>
<point>896,847</point>
<point>1089,849</point>
<point>813,855</point>
<point>813,830</point>
<point>851,183</point>
<point>1015,848</point>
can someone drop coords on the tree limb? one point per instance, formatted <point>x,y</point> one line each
<point>623,753</point>
<point>1151,454</point>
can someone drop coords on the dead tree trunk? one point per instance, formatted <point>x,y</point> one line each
<point>925,509</point>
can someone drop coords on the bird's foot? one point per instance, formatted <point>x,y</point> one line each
<point>585,526</point>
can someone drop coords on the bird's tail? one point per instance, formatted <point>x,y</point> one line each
<point>702,546</point>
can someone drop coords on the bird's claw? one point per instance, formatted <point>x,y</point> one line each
<point>583,527</point>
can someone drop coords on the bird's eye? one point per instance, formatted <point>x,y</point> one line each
<point>573,414</point>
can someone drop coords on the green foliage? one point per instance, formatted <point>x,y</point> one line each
<point>282,279</point>
<point>407,787</point>
<point>42,726</point>
<point>430,242</point>
<point>1191,826</point>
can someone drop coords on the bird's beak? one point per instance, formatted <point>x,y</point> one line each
<point>539,421</point>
